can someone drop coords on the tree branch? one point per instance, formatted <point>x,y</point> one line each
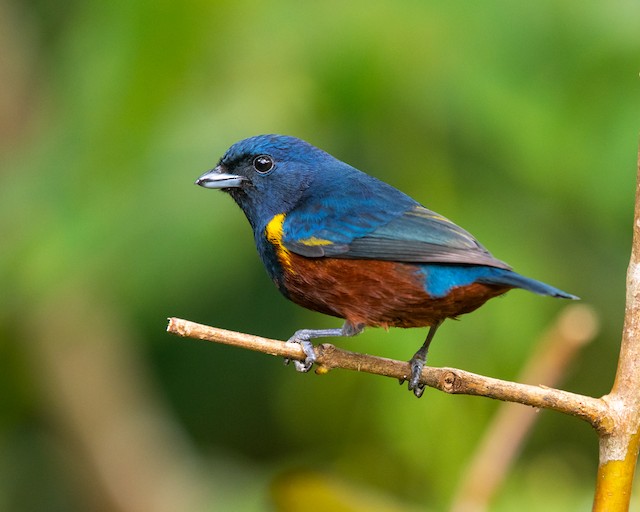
<point>619,449</point>
<point>450,380</point>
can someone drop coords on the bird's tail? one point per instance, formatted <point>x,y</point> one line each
<point>510,278</point>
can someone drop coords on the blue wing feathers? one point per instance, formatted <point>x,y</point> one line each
<point>356,216</point>
<point>353,230</point>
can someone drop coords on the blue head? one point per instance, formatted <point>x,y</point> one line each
<point>269,174</point>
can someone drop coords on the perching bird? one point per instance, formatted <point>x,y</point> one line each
<point>338,241</point>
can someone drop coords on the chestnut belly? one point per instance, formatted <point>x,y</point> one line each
<point>378,293</point>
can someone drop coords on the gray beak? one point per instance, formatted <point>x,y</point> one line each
<point>216,178</point>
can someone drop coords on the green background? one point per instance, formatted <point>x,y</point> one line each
<point>519,121</point>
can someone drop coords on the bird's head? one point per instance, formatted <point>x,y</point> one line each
<point>267,174</point>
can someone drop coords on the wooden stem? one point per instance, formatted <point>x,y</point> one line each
<point>450,380</point>
<point>619,449</point>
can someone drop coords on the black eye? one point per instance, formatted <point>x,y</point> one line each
<point>263,164</point>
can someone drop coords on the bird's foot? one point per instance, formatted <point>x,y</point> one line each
<point>417,364</point>
<point>418,361</point>
<point>302,338</point>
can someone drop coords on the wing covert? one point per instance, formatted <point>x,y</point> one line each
<point>417,235</point>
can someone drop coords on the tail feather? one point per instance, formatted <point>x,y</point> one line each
<point>510,278</point>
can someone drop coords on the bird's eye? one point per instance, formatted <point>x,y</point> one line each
<point>263,164</point>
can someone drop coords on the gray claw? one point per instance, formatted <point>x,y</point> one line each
<point>303,367</point>
<point>307,347</point>
<point>304,337</point>
<point>417,391</point>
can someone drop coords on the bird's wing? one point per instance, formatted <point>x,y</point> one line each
<point>416,235</point>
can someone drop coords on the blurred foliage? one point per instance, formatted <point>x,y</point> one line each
<point>518,121</point>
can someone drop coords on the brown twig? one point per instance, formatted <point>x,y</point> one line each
<point>450,380</point>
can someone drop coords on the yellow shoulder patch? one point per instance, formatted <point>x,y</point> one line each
<point>274,229</point>
<point>313,241</point>
<point>273,232</point>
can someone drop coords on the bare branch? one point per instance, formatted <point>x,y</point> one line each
<point>627,382</point>
<point>450,380</point>
<point>619,450</point>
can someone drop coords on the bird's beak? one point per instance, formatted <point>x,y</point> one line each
<point>217,178</point>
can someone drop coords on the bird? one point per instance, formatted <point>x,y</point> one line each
<point>338,241</point>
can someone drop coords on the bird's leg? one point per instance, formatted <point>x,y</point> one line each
<point>418,361</point>
<point>304,337</point>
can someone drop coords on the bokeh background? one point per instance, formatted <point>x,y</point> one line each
<point>519,121</point>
